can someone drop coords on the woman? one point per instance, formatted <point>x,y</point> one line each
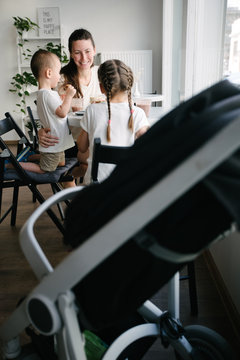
<point>81,73</point>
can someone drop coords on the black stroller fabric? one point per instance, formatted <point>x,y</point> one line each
<point>119,285</point>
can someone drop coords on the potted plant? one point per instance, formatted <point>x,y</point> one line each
<point>57,49</point>
<point>23,25</point>
<point>22,82</point>
<point>20,86</point>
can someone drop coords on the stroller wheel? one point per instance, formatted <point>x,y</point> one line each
<point>209,344</point>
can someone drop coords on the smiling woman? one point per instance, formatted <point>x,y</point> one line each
<point>80,71</point>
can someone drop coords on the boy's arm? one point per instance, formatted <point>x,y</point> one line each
<point>63,109</point>
<point>82,141</point>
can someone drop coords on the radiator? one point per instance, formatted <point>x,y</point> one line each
<point>140,61</point>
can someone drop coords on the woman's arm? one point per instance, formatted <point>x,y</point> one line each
<point>82,141</point>
<point>45,138</point>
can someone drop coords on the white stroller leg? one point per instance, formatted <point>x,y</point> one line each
<point>173,296</point>
<point>150,312</point>
<point>74,341</point>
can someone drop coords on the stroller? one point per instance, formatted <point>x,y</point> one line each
<point>133,232</point>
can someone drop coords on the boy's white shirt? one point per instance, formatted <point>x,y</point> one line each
<point>47,103</point>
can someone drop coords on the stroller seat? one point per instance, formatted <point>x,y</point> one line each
<point>176,193</point>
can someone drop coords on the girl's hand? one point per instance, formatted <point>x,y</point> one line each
<point>46,139</point>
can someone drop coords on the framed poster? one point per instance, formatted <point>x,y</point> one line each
<point>48,22</point>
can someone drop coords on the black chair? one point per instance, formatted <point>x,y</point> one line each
<point>105,154</point>
<point>34,126</point>
<point>17,177</point>
<point>113,155</point>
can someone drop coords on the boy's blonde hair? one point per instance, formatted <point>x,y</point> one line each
<point>115,76</point>
<point>41,60</point>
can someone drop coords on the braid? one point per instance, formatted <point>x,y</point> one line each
<point>109,116</point>
<point>116,77</point>
<point>130,82</point>
<point>108,87</point>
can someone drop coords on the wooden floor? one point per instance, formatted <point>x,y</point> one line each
<point>17,279</point>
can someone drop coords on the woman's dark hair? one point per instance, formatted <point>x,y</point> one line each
<point>70,70</point>
<point>115,76</point>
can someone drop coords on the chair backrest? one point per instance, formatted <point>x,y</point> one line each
<point>6,125</point>
<point>105,154</point>
<point>9,124</point>
<point>34,125</point>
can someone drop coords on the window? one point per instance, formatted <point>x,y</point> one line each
<point>231,60</point>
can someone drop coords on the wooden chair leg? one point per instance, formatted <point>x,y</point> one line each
<point>50,212</point>
<point>192,288</point>
<point>191,277</point>
<point>14,204</point>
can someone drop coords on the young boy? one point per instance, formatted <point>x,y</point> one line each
<point>52,111</point>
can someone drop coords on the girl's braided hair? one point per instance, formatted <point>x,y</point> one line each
<point>70,71</point>
<point>115,76</point>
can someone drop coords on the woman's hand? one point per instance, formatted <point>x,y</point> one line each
<point>46,139</point>
<point>76,108</point>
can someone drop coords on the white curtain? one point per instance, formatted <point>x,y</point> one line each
<point>193,33</point>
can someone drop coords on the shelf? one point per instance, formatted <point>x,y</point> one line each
<point>25,65</point>
<point>42,38</point>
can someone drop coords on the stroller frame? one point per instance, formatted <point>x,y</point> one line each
<point>53,294</point>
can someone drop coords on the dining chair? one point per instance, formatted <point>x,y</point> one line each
<point>34,126</point>
<point>17,177</point>
<point>113,155</point>
<point>107,154</point>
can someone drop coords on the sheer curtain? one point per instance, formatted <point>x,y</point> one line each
<point>193,37</point>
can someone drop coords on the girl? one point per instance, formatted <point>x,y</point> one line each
<point>117,122</point>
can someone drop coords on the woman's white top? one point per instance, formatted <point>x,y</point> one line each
<point>91,90</point>
<point>95,122</point>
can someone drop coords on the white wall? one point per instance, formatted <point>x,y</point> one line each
<point>115,25</point>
